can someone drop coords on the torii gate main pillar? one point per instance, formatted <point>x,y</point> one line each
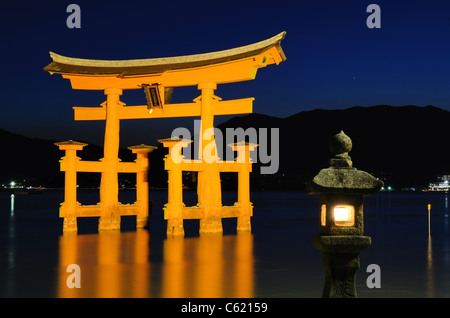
<point>109,185</point>
<point>209,187</point>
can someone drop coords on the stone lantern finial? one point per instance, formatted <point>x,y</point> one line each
<point>340,145</point>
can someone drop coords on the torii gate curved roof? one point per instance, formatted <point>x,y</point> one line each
<point>167,70</point>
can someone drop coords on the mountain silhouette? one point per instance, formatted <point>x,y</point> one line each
<point>35,162</point>
<point>405,146</point>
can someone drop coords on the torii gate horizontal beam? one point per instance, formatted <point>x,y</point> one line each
<point>231,107</point>
<point>230,72</point>
<point>228,66</point>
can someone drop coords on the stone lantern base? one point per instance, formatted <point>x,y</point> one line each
<point>341,261</point>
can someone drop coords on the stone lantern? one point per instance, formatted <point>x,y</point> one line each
<point>341,189</point>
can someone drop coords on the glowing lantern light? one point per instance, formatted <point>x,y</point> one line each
<point>344,215</point>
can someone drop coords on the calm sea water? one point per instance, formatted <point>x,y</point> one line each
<point>276,260</point>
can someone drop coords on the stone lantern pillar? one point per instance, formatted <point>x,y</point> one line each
<point>341,189</point>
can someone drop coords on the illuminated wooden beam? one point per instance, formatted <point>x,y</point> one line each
<point>90,166</point>
<point>192,212</point>
<point>99,166</point>
<point>227,66</point>
<point>230,211</point>
<point>88,210</point>
<point>224,166</point>
<point>128,167</point>
<point>96,210</point>
<point>195,212</point>
<point>231,107</point>
<point>226,73</point>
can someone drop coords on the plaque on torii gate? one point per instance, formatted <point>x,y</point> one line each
<point>159,76</point>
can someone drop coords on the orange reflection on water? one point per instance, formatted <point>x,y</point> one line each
<point>115,264</point>
<point>210,266</point>
<point>112,264</point>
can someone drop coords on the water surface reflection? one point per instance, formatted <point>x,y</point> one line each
<point>430,274</point>
<point>112,264</point>
<point>208,266</point>
<point>278,260</point>
<point>115,264</point>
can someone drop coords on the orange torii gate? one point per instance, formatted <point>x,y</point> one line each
<point>158,77</point>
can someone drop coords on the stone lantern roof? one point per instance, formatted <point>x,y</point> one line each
<point>341,176</point>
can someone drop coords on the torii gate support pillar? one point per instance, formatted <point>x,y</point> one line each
<point>109,185</point>
<point>209,188</point>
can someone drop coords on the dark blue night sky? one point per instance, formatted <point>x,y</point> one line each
<point>333,59</point>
